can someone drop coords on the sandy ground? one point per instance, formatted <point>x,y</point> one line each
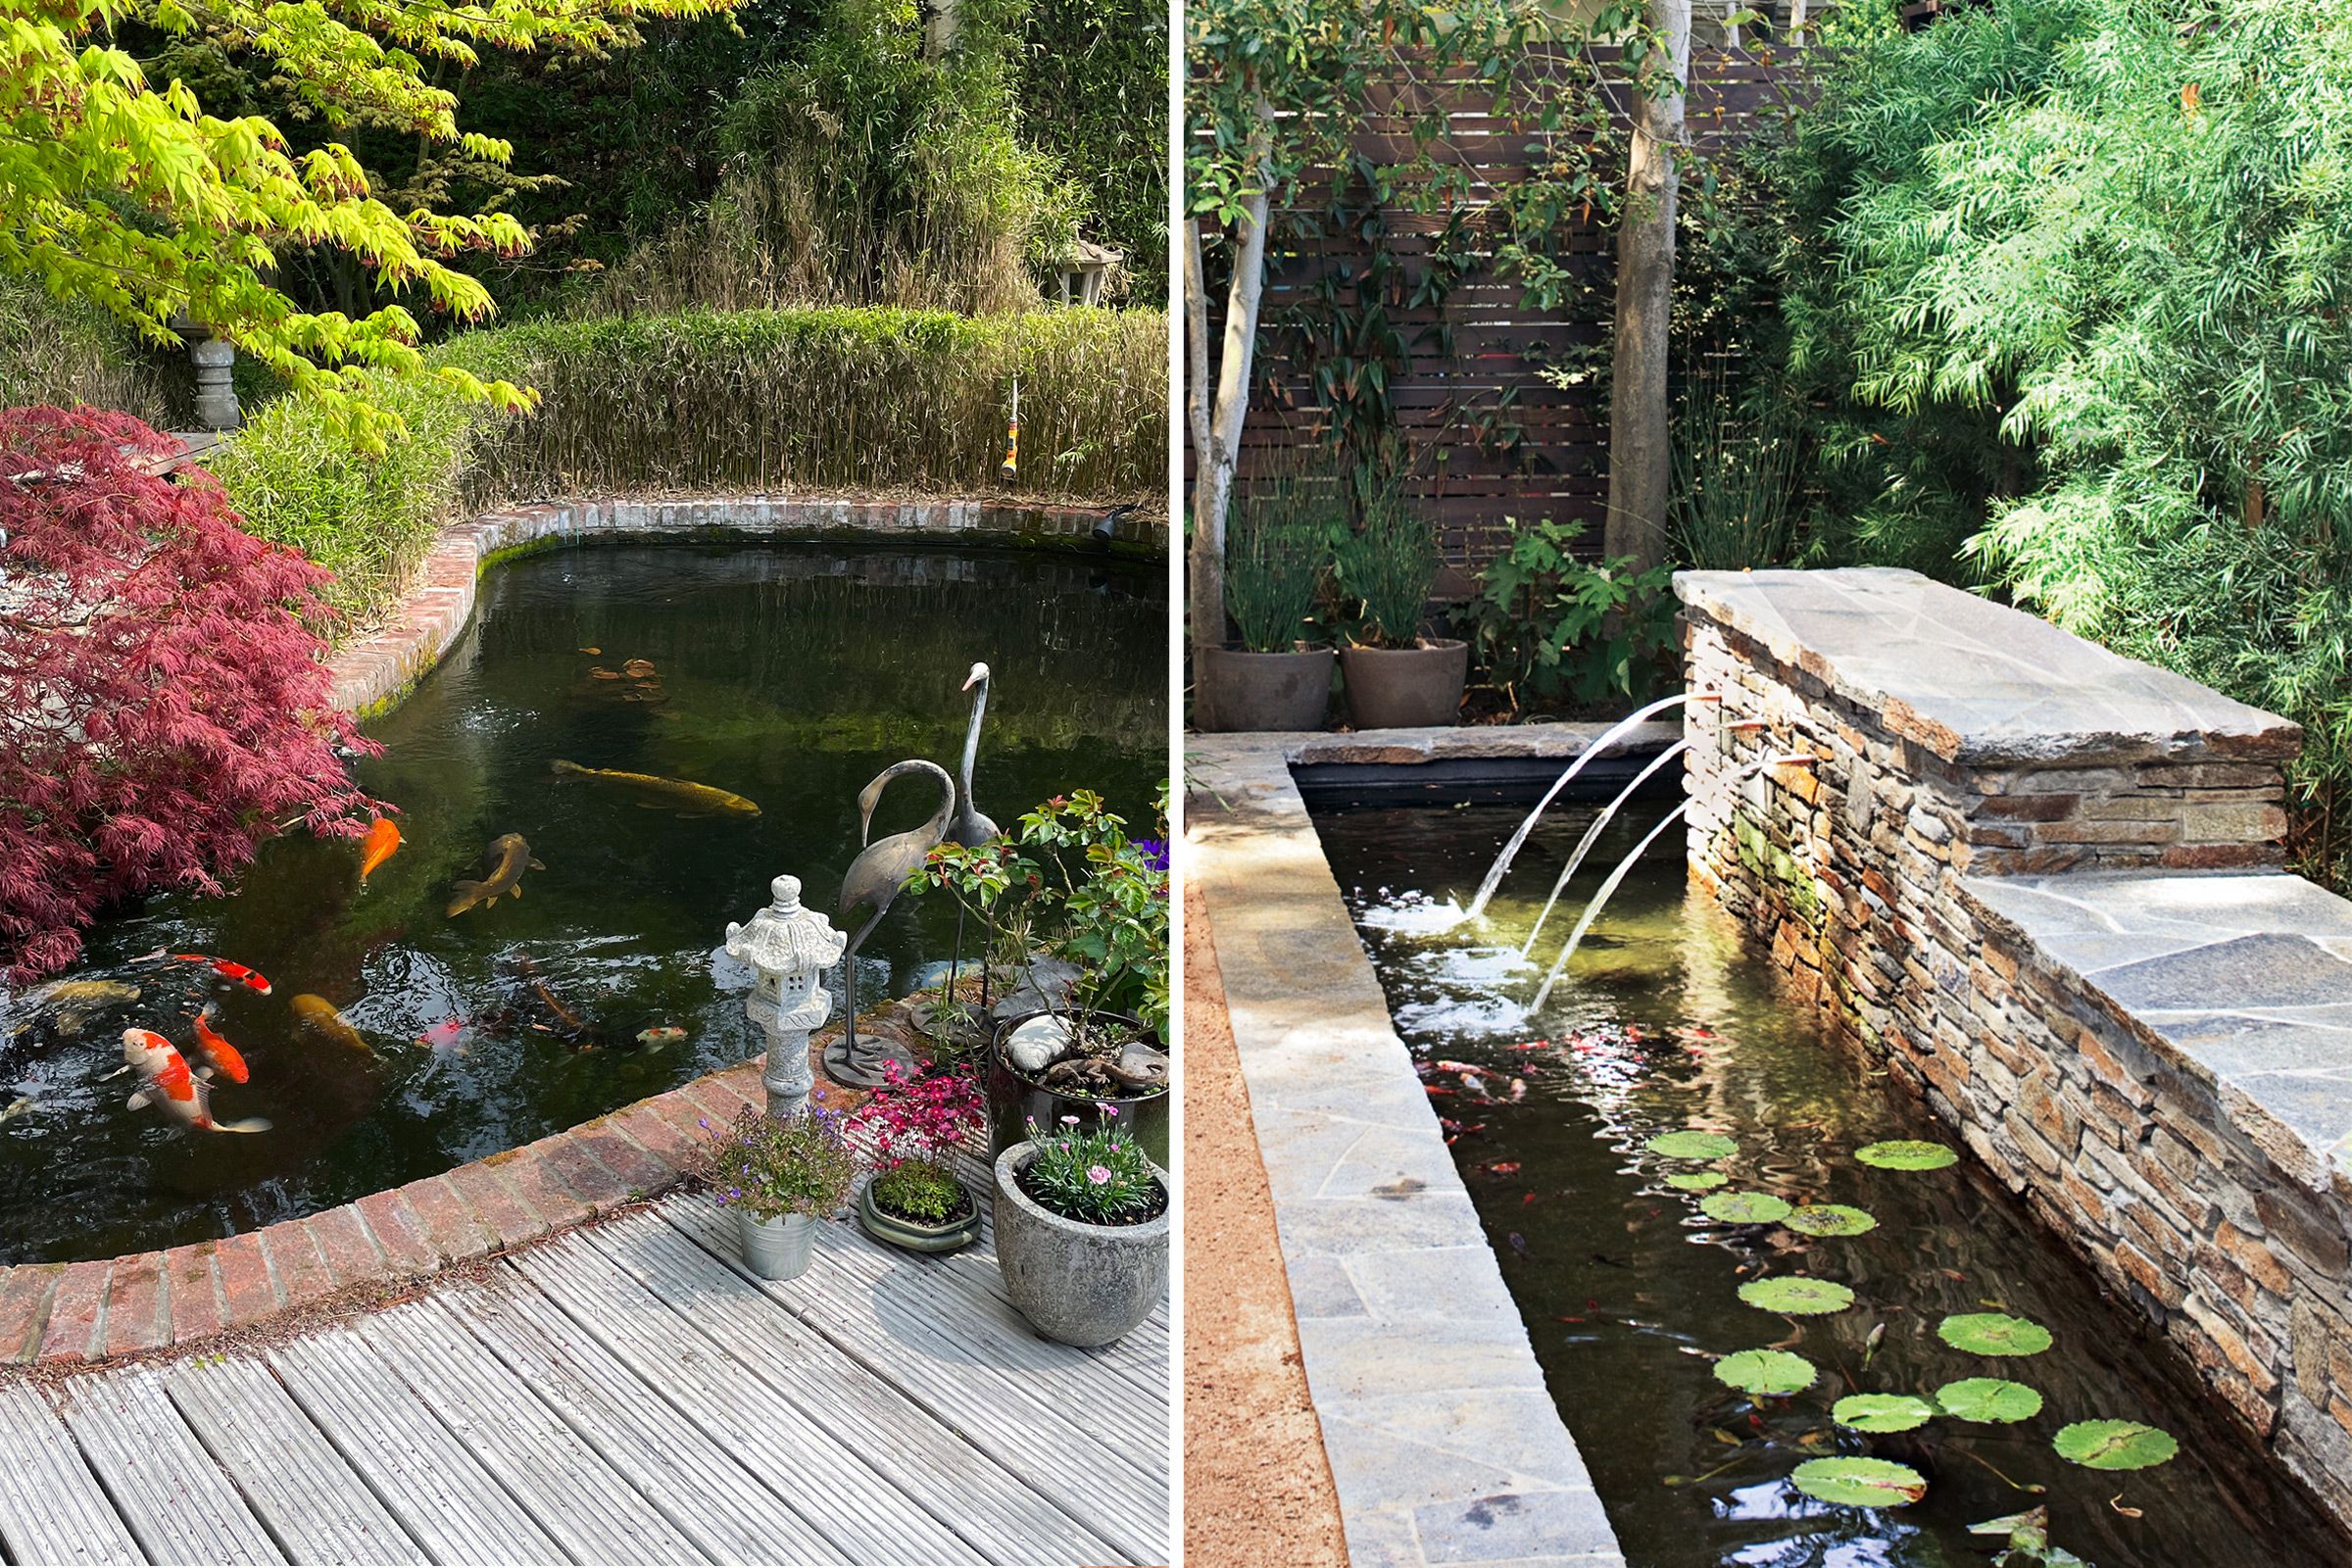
<point>1257,1487</point>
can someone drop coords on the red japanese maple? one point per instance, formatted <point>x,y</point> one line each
<point>163,705</point>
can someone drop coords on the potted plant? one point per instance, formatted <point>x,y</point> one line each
<point>1082,1228</point>
<point>1386,567</point>
<point>1082,916</point>
<point>914,1198</point>
<point>1274,564</point>
<point>779,1175</point>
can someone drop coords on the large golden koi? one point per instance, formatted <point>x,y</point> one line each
<point>513,857</point>
<point>676,794</point>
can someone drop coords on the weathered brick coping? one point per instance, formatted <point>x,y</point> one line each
<point>371,672</point>
<point>56,1313</point>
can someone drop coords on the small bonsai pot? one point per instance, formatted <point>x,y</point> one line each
<point>1406,688</point>
<point>950,1235</point>
<point>1016,1099</point>
<point>1244,691</point>
<point>776,1249</point>
<point>1078,1282</point>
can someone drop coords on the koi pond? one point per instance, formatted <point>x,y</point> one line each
<point>788,675</point>
<point>1631,1288</point>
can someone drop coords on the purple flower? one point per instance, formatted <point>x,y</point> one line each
<point>1153,851</point>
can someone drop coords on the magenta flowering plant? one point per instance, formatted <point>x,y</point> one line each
<point>922,1121</point>
<point>770,1167</point>
<point>1097,1175</point>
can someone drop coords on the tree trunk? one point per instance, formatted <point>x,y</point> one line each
<point>1640,457</point>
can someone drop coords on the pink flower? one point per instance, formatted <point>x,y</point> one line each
<point>1100,1175</point>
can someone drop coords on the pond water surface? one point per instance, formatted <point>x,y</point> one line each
<point>1669,1021</point>
<point>789,675</point>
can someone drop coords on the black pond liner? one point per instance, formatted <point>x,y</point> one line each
<point>1671,1018</point>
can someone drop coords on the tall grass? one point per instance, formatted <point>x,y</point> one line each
<point>70,354</point>
<point>1735,486</point>
<point>1276,550</point>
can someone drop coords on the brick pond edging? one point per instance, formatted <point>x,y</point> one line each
<point>2037,882</point>
<point>1445,1444</point>
<point>375,671</point>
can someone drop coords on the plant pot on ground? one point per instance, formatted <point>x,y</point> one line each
<point>780,1175</point>
<point>1274,564</point>
<point>1082,1230</point>
<point>919,1206</point>
<point>1385,569</point>
<point>918,1126</point>
<point>1047,1065</point>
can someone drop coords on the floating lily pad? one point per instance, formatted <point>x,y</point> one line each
<point>1859,1483</point>
<point>1831,1219</point>
<point>1745,1208</point>
<point>1993,1334</point>
<point>1692,1146</point>
<point>1697,1181</point>
<point>2115,1444</point>
<point>1795,1296</point>
<point>1882,1413</point>
<point>1766,1372</point>
<point>1907,1153</point>
<point>1989,1399</point>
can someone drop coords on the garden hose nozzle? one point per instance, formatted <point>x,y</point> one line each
<point>1010,468</point>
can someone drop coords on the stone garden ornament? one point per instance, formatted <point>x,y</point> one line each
<point>789,945</point>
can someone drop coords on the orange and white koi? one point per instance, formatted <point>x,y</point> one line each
<point>225,1057</point>
<point>165,1081</point>
<point>383,837</point>
<point>250,979</point>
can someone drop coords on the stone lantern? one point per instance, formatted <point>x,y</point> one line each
<point>788,946</point>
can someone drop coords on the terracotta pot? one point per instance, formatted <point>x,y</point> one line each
<point>1238,691</point>
<point>1406,688</point>
<point>1074,1282</point>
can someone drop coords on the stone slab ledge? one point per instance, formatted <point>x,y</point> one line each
<point>1560,742</point>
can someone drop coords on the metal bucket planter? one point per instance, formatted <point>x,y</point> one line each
<point>1015,1100</point>
<point>1074,1282</point>
<point>1243,691</point>
<point>950,1235</point>
<point>1406,688</point>
<point>776,1249</point>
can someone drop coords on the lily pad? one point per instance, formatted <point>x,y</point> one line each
<point>1882,1413</point>
<point>1907,1153</point>
<point>1743,1208</point>
<point>1696,1147</point>
<point>1698,1181</point>
<point>1993,1334</point>
<point>1860,1482</point>
<point>1831,1219</point>
<point>1989,1399</point>
<point>2115,1444</point>
<point>1796,1296</point>
<point>1766,1372</point>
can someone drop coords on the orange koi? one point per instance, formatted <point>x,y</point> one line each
<point>250,979</point>
<point>219,1052</point>
<point>165,1081</point>
<point>383,837</point>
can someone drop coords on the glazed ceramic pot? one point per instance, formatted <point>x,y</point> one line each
<point>950,1235</point>
<point>1075,1282</point>
<point>1015,1100</point>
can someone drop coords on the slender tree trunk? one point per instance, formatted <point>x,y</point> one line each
<point>1640,457</point>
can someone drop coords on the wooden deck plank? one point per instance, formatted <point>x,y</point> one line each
<point>52,1510</point>
<point>178,1502</point>
<point>438,1491</point>
<point>732,1515</point>
<point>1012,1412</point>
<point>866,1516</point>
<point>311,1500</point>
<point>991,1505</point>
<point>590,1509</point>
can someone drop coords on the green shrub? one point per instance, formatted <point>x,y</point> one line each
<point>1548,627</point>
<point>1385,567</point>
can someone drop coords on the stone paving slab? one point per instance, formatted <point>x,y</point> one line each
<point>1445,1444</point>
<point>1973,682</point>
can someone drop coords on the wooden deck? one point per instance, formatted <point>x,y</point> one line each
<point>624,1394</point>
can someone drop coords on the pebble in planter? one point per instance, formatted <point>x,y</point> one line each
<point>780,1175</point>
<point>1082,1230</point>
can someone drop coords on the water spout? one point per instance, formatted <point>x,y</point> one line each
<point>1584,846</point>
<point>1609,737</point>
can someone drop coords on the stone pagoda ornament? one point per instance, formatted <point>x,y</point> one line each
<point>789,945</point>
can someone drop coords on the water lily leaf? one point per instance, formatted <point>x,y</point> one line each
<point>1990,1400</point>
<point>1993,1334</point>
<point>1907,1153</point>
<point>1766,1372</point>
<point>1697,1181</point>
<point>2115,1444</point>
<point>1882,1413</point>
<point>1692,1146</point>
<point>1860,1482</point>
<point>1743,1208</point>
<point>1831,1219</point>
<point>1796,1296</point>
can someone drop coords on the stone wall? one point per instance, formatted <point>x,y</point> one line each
<point>2035,881</point>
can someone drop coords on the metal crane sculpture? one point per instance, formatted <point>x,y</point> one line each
<point>872,882</point>
<point>972,826</point>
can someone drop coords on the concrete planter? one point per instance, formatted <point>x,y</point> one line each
<point>1244,691</point>
<point>1081,1284</point>
<point>1406,688</point>
<point>914,1236</point>
<point>776,1249</point>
